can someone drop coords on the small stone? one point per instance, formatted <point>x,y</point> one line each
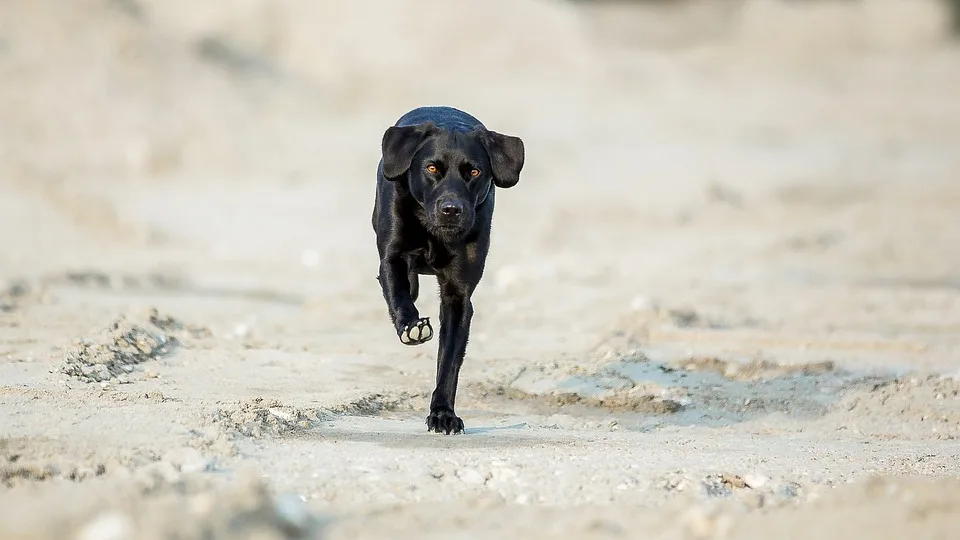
<point>101,372</point>
<point>733,480</point>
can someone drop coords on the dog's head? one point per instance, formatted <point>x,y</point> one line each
<point>451,173</point>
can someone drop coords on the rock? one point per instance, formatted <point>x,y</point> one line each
<point>733,480</point>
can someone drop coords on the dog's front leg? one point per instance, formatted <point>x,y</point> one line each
<point>456,312</point>
<point>395,282</point>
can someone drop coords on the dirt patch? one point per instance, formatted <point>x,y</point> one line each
<point>879,508</point>
<point>755,369</point>
<point>19,466</point>
<point>194,509</point>
<point>918,407</point>
<point>375,404</point>
<point>169,324</point>
<point>706,391</point>
<point>261,417</point>
<point>752,490</point>
<point>103,280</point>
<point>633,400</point>
<point>12,474</point>
<point>115,353</point>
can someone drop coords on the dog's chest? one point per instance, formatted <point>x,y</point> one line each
<point>430,258</point>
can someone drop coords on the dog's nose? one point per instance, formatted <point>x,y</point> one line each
<point>451,209</point>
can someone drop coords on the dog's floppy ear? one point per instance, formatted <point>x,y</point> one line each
<point>506,157</point>
<point>400,144</point>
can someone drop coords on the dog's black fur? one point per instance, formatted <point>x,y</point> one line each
<point>434,205</point>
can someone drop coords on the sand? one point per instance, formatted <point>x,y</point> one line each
<point>722,302</point>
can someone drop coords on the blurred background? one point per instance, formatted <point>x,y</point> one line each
<point>670,143</point>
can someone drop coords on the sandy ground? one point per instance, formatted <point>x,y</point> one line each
<point>723,301</point>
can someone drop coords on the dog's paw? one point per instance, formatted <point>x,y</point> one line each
<point>417,332</point>
<point>444,422</point>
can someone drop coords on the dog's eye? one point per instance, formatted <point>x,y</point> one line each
<point>474,172</point>
<point>432,169</point>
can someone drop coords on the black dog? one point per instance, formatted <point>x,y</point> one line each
<point>432,215</point>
